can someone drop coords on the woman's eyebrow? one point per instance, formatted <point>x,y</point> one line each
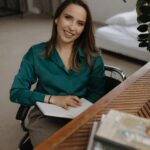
<point>68,15</point>
<point>82,21</point>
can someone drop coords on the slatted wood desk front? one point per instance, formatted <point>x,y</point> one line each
<point>132,96</point>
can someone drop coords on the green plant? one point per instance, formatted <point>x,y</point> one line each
<point>143,18</point>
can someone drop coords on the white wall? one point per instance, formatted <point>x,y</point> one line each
<point>103,9</point>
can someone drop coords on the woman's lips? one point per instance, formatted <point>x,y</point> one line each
<point>68,34</point>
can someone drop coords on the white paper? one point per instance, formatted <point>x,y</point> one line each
<point>56,111</point>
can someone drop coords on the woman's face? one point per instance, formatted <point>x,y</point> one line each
<point>70,24</point>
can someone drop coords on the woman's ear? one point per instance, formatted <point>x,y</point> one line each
<point>56,20</point>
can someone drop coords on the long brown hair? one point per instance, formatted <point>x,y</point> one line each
<point>85,41</point>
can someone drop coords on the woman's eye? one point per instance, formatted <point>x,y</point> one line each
<point>80,24</point>
<point>68,17</point>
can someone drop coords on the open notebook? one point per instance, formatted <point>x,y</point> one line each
<point>56,111</point>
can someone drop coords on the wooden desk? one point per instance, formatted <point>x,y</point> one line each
<point>132,96</point>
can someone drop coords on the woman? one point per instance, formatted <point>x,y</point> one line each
<point>66,68</point>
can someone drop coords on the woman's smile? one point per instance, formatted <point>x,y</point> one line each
<point>68,34</point>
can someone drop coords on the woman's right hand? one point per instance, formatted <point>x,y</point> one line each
<point>66,101</point>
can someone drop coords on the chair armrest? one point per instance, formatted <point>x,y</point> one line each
<point>22,112</point>
<point>21,115</point>
<point>115,69</point>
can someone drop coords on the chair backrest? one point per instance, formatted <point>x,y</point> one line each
<point>113,77</point>
<point>115,71</point>
<point>110,83</point>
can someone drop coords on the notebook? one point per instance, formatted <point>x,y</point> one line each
<point>56,111</point>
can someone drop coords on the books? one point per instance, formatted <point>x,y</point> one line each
<point>125,131</point>
<point>94,144</point>
<point>56,111</point>
<point>91,139</point>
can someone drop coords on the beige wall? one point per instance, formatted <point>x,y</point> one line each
<point>103,9</point>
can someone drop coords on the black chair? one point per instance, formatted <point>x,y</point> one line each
<point>25,143</point>
<point>114,76</point>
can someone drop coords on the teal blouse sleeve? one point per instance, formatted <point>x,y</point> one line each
<point>96,83</point>
<point>20,91</point>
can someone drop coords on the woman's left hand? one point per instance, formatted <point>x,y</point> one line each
<point>66,101</point>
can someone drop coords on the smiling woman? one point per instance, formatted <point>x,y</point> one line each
<point>70,25</point>
<point>66,68</point>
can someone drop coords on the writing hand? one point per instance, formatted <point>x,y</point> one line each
<point>66,101</point>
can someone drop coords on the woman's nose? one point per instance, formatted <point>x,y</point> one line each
<point>72,26</point>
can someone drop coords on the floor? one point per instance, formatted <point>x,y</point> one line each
<point>16,36</point>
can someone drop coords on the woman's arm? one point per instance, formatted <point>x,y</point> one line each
<point>20,91</point>
<point>96,83</point>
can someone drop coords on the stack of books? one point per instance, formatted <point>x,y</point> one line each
<point>120,131</point>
